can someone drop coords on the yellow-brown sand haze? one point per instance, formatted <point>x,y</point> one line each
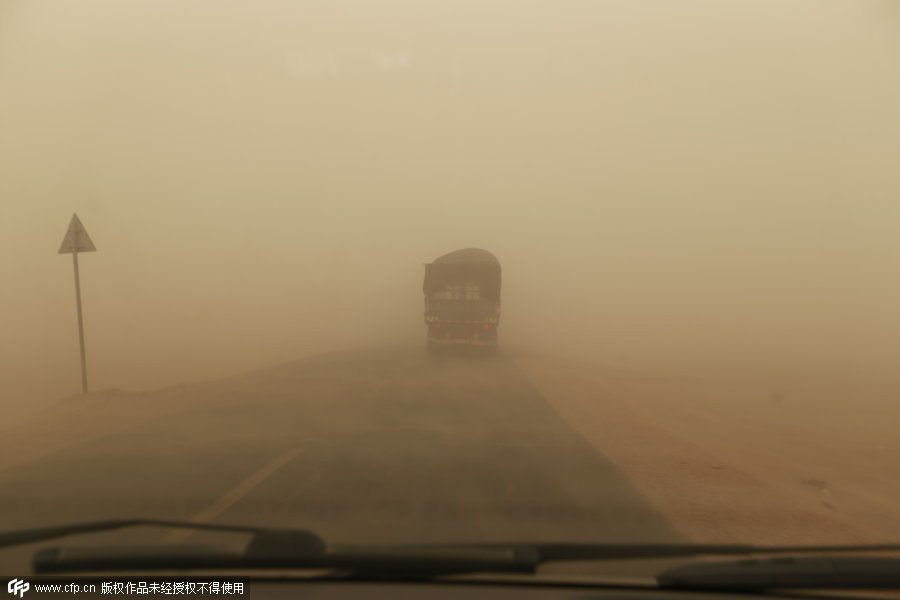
<point>695,205</point>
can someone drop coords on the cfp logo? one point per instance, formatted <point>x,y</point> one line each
<point>17,587</point>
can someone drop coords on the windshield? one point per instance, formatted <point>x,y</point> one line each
<point>406,271</point>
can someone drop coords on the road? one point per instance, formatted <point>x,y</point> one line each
<point>362,447</point>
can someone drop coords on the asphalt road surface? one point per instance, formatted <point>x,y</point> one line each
<point>364,447</point>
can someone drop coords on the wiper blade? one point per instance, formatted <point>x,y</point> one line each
<point>280,549</point>
<point>808,572</point>
<point>542,551</point>
<point>29,536</point>
<point>549,552</point>
<point>268,548</point>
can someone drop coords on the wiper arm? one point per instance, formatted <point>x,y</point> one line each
<point>808,572</point>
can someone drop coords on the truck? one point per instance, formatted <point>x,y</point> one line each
<point>462,302</point>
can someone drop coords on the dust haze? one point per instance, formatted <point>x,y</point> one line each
<point>692,186</point>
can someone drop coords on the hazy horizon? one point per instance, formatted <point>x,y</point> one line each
<point>697,186</point>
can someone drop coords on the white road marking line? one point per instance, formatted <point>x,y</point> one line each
<point>222,504</point>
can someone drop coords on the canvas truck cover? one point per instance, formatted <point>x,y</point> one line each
<point>469,264</point>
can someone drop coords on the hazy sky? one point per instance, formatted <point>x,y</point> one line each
<point>700,183</point>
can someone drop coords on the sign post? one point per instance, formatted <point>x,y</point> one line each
<point>77,240</point>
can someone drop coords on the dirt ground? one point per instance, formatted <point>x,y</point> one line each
<point>724,461</point>
<point>29,435</point>
<point>738,461</point>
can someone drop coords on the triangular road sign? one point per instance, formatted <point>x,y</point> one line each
<point>77,239</point>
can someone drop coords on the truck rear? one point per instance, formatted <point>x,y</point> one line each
<point>462,301</point>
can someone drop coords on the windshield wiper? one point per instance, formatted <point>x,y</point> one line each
<point>838,572</point>
<point>297,548</point>
<point>268,548</point>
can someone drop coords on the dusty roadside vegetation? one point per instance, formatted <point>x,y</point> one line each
<point>804,462</point>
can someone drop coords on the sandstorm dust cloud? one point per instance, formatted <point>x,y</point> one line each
<point>671,185</point>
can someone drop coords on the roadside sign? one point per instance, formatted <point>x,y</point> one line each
<point>77,240</point>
